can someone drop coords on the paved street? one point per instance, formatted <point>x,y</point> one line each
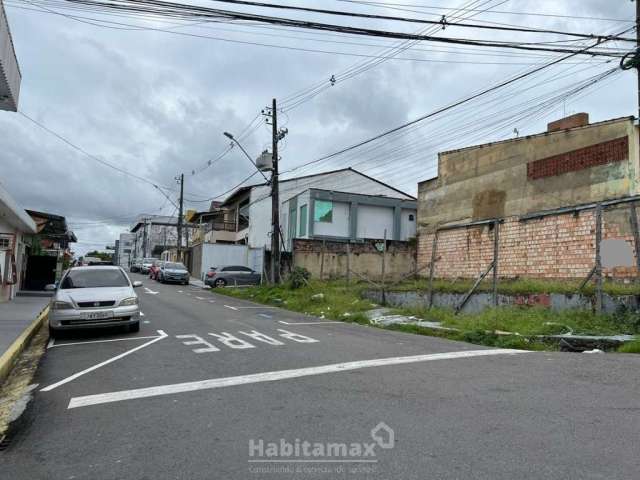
<point>151,405</point>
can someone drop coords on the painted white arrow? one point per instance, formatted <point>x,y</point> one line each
<point>148,290</point>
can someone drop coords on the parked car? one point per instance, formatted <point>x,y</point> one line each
<point>155,269</point>
<point>91,297</point>
<point>231,275</point>
<point>136,264</point>
<point>173,272</point>
<point>146,264</point>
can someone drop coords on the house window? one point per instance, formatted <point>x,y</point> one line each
<point>303,221</point>
<point>4,243</point>
<point>411,217</point>
<point>323,211</point>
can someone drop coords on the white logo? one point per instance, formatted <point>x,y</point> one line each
<point>383,435</point>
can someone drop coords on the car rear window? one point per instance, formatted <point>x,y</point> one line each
<point>94,279</point>
<point>236,268</point>
<point>174,266</point>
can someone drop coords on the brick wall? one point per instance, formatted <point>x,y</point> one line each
<point>558,247</point>
<point>600,154</point>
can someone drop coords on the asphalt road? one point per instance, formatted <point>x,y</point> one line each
<point>273,394</point>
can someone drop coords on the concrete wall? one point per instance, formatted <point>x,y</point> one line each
<point>496,180</point>
<point>207,255</point>
<point>408,224</point>
<point>365,258</point>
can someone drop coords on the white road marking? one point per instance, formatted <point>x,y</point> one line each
<point>212,301</point>
<point>201,298</point>
<point>148,290</point>
<point>104,341</point>
<point>110,397</point>
<point>257,307</point>
<point>265,315</point>
<point>51,342</point>
<point>180,291</point>
<point>146,321</point>
<point>305,323</point>
<point>141,314</point>
<point>160,336</point>
<point>232,308</point>
<point>199,341</point>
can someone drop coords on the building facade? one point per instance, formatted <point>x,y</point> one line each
<point>124,254</point>
<point>152,235</point>
<point>543,191</point>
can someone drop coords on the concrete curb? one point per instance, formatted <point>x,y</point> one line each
<point>9,357</point>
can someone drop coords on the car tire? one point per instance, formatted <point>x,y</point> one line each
<point>220,282</point>
<point>134,327</point>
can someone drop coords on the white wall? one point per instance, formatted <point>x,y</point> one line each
<point>407,227</point>
<point>373,220</point>
<point>339,226</point>
<point>343,181</point>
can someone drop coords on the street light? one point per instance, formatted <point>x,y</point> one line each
<point>232,138</point>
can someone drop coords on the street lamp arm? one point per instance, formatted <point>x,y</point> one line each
<point>233,139</point>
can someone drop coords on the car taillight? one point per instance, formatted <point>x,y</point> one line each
<point>211,274</point>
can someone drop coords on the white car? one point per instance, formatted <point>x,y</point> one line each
<point>90,297</point>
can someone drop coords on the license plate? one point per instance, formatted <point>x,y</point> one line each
<point>99,315</point>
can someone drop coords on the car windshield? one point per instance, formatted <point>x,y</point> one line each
<point>174,266</point>
<point>94,278</point>
<point>149,260</point>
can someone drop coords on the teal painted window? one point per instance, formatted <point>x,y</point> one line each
<point>303,221</point>
<point>323,211</point>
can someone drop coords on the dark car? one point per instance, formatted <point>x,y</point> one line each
<point>231,275</point>
<point>173,272</point>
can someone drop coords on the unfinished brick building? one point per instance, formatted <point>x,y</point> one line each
<point>542,192</point>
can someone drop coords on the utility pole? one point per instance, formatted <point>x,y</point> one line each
<point>275,200</point>
<point>144,239</point>
<point>180,217</point>
<point>637,53</point>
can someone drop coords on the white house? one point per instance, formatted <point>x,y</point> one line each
<point>360,207</point>
<point>15,223</point>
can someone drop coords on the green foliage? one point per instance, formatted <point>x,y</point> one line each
<point>630,347</point>
<point>299,277</point>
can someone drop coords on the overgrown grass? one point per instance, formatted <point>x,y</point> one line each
<point>532,320</point>
<point>521,286</point>
<point>342,301</point>
<point>630,347</point>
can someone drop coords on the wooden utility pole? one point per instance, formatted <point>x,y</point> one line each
<point>636,56</point>
<point>180,206</point>
<point>275,199</point>
<point>598,266</point>
<point>144,239</point>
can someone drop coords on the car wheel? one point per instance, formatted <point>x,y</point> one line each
<point>134,327</point>
<point>220,282</point>
<point>53,333</point>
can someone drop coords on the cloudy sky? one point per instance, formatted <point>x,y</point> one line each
<point>153,97</point>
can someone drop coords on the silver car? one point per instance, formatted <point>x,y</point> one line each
<point>89,297</point>
<point>231,275</point>
<point>146,264</point>
<point>173,272</point>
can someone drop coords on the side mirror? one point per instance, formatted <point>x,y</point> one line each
<point>51,287</point>
<point>137,284</point>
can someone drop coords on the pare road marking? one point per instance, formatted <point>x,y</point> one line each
<point>161,335</point>
<point>273,376</point>
<point>149,291</point>
<point>235,342</point>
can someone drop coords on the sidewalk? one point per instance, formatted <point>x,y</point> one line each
<point>17,325</point>
<point>197,283</point>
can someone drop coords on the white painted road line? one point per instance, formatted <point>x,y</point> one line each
<point>212,301</point>
<point>51,342</point>
<point>141,314</point>
<point>160,336</point>
<point>258,307</point>
<point>148,290</point>
<point>180,291</point>
<point>232,308</point>
<point>306,323</point>
<point>102,398</point>
<point>104,341</point>
<point>201,298</point>
<point>265,315</point>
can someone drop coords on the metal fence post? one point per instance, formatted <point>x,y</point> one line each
<point>598,267</point>
<point>322,261</point>
<point>348,262</point>
<point>432,266</point>
<point>496,240</point>
<point>384,262</point>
